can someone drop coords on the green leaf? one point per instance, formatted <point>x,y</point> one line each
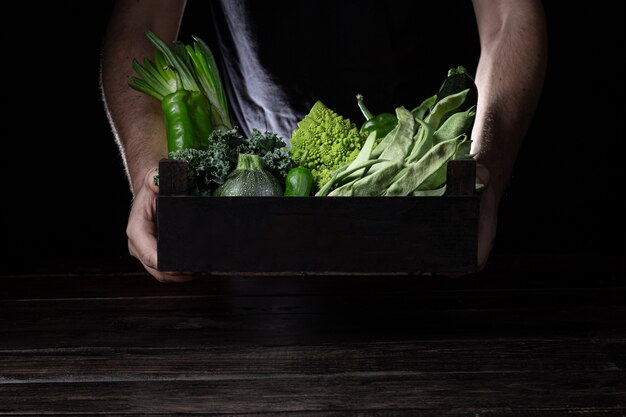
<point>143,87</point>
<point>161,65</point>
<point>172,57</point>
<point>167,82</point>
<point>150,79</point>
<point>209,78</point>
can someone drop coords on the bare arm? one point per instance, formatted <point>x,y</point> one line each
<point>509,78</point>
<point>136,119</point>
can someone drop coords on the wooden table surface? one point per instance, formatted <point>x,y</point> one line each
<point>515,340</point>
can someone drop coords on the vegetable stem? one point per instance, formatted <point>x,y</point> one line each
<point>368,114</point>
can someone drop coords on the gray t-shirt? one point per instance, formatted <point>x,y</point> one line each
<point>279,57</point>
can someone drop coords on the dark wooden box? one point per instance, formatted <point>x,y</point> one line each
<point>317,235</point>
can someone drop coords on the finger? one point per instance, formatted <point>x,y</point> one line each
<point>141,231</point>
<point>171,277</point>
<point>151,180</point>
<point>483,175</point>
<point>142,242</point>
<point>150,266</point>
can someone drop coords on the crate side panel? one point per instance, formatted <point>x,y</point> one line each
<point>360,235</point>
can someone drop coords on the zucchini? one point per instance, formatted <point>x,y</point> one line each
<point>459,79</point>
<point>250,179</point>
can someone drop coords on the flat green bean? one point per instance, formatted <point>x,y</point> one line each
<point>371,185</point>
<point>418,172</point>
<point>421,110</point>
<point>447,105</point>
<point>421,139</point>
<point>402,141</point>
<point>339,176</point>
<point>363,156</point>
<point>455,125</point>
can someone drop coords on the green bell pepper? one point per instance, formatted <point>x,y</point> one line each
<point>382,124</point>
<point>185,79</point>
<point>187,120</point>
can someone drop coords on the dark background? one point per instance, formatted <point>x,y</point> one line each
<point>65,197</point>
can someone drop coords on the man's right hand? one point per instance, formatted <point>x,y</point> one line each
<point>141,230</point>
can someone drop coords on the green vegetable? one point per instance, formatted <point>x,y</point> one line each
<point>299,182</point>
<point>417,172</point>
<point>187,120</point>
<point>381,124</point>
<point>411,160</point>
<point>438,114</point>
<point>455,125</point>
<point>250,179</point>
<point>371,185</point>
<point>401,138</point>
<point>459,79</point>
<point>209,81</point>
<point>186,81</point>
<point>324,141</point>
<point>209,167</point>
<point>420,111</point>
<point>364,155</point>
<point>272,149</point>
<point>344,174</point>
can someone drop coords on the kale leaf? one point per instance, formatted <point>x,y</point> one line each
<point>209,168</point>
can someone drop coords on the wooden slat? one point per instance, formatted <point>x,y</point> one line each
<point>484,412</point>
<point>461,177</point>
<point>172,177</point>
<point>354,391</point>
<point>489,412</point>
<point>305,293</point>
<point>263,322</point>
<point>192,321</point>
<point>317,235</point>
<point>412,412</point>
<point>82,364</point>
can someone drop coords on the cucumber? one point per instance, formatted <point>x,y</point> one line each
<point>299,182</point>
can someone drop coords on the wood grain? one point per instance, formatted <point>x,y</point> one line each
<point>288,393</point>
<point>121,344</point>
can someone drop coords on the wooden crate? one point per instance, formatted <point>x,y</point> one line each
<point>317,235</point>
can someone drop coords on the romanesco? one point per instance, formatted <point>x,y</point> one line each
<point>324,142</point>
